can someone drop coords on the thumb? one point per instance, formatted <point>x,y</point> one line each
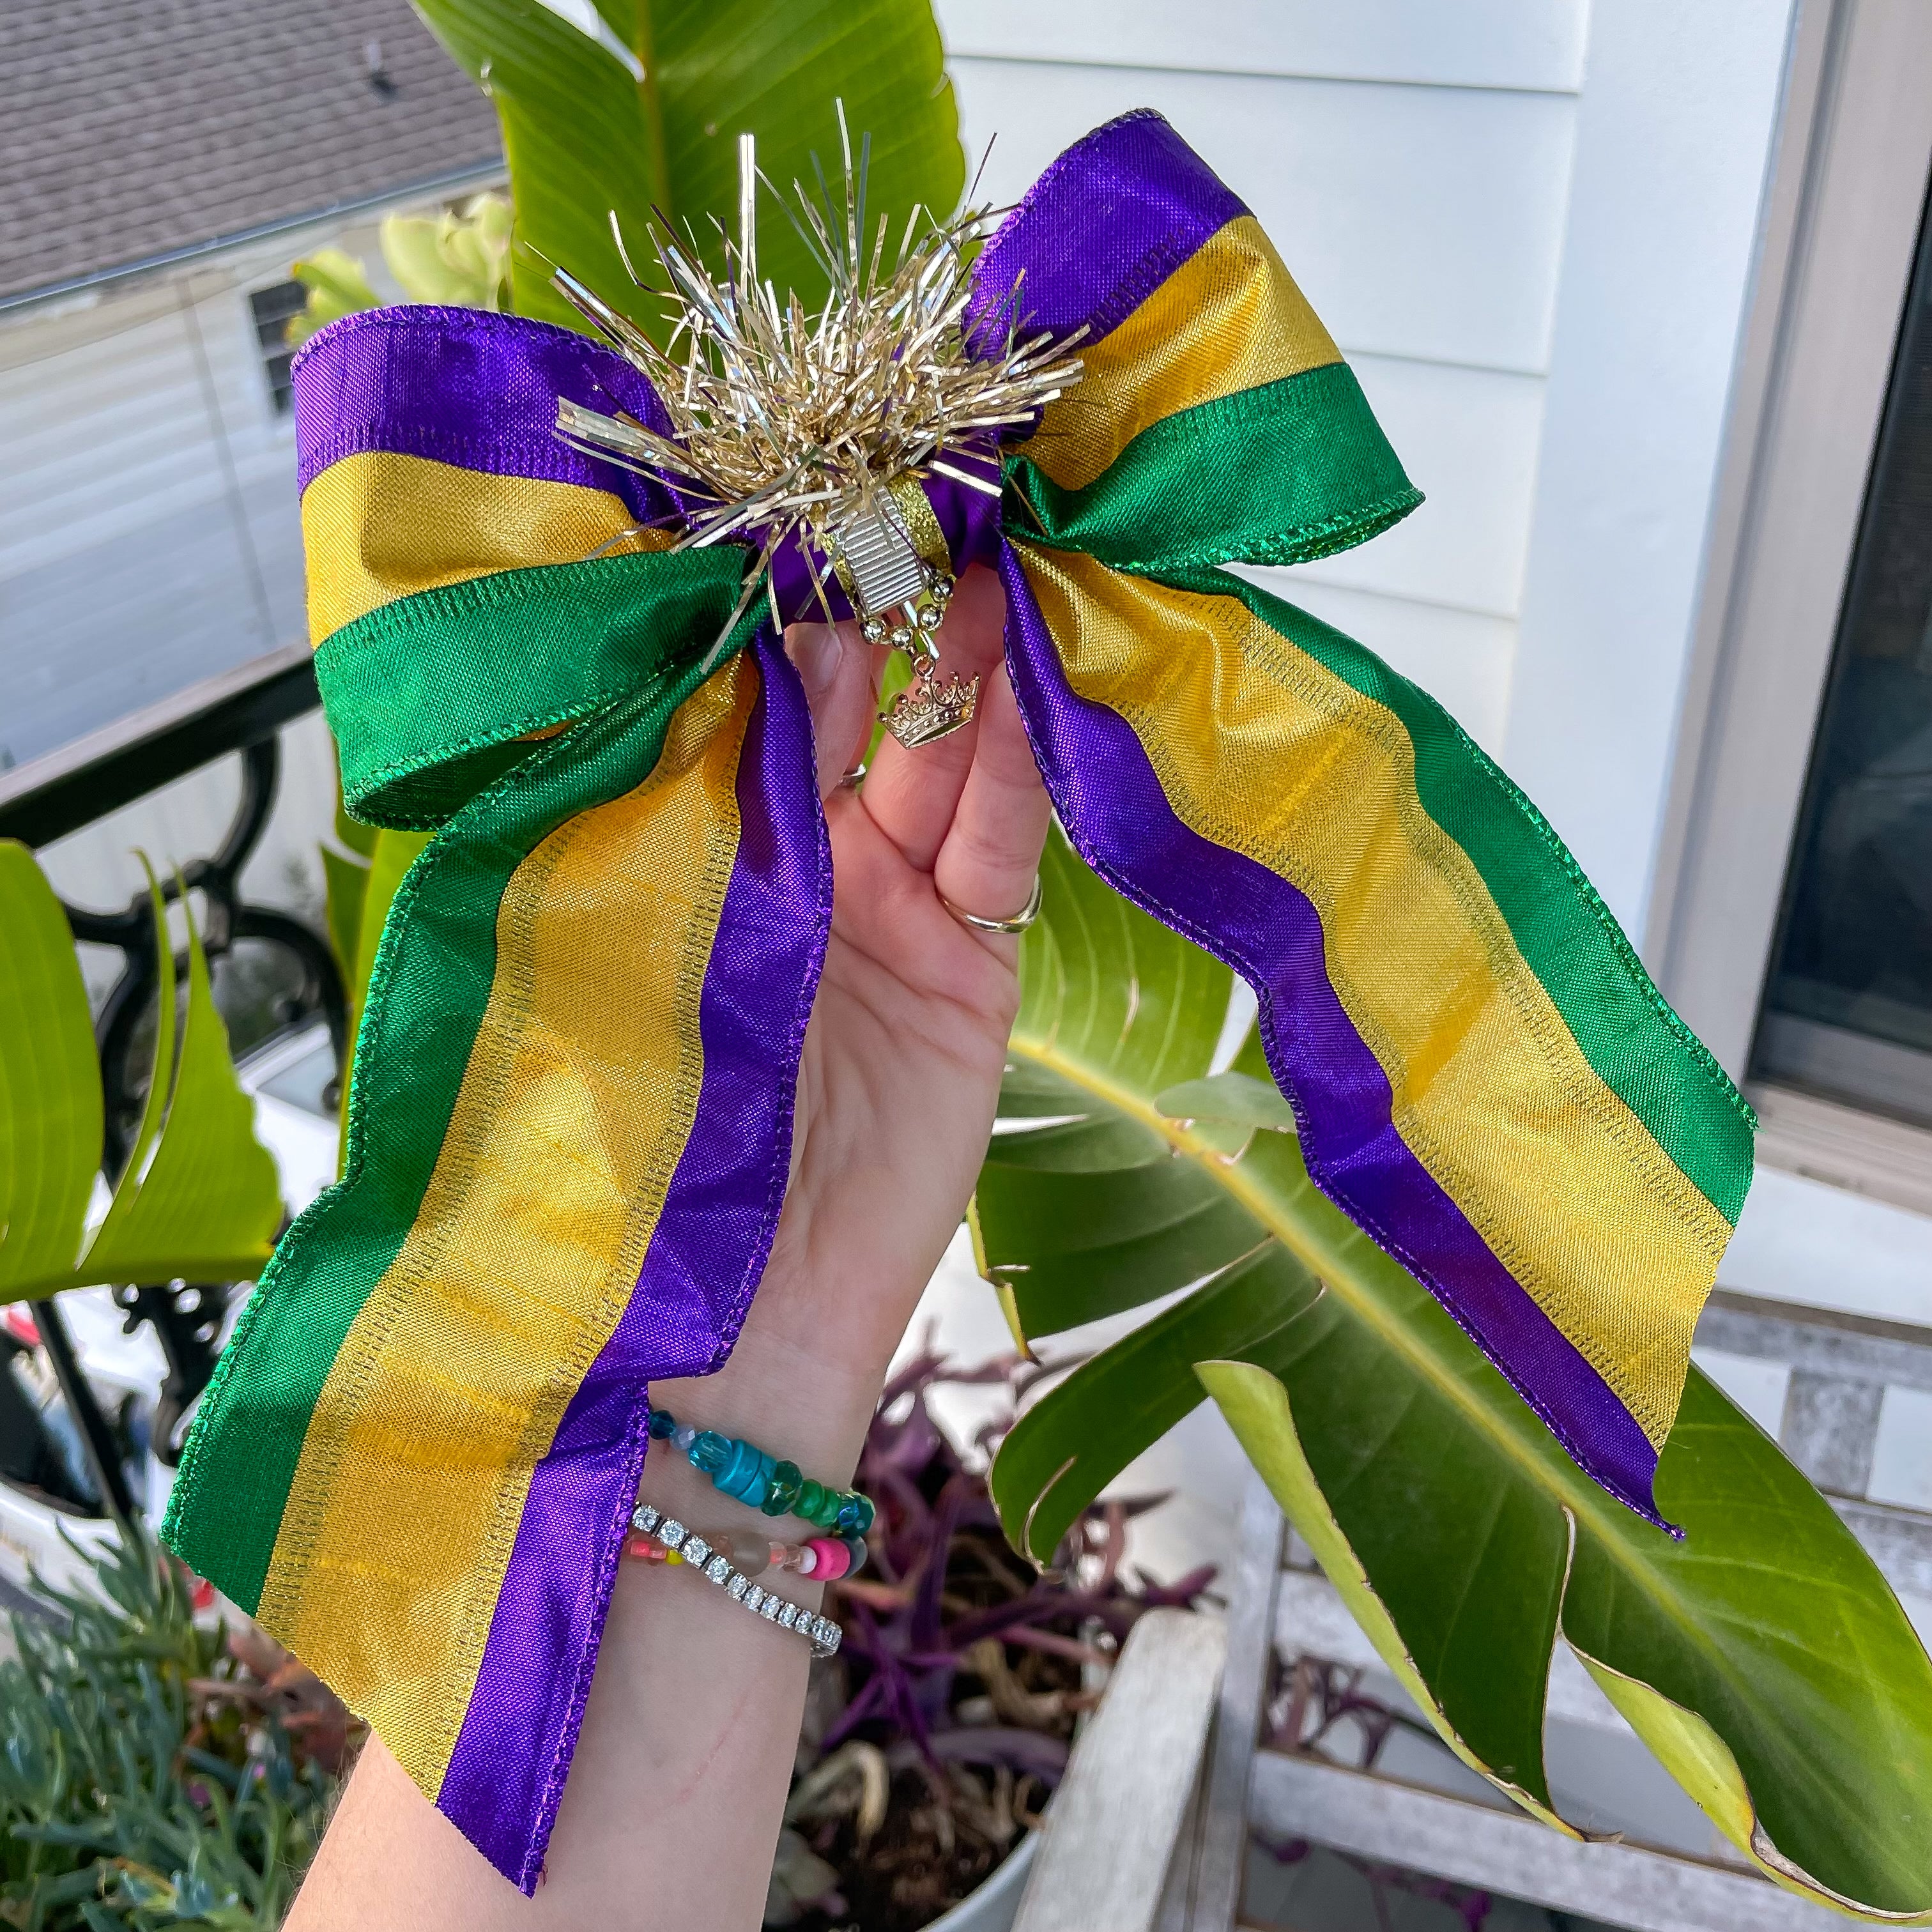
<point>834,664</point>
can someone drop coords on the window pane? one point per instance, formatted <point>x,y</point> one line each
<point>1848,1008</point>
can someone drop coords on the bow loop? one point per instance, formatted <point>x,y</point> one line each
<point>1215,420</point>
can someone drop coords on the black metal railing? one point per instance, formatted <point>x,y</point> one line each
<point>240,712</point>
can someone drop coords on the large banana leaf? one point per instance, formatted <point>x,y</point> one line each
<point>1763,1658</point>
<point>634,106</point>
<point>50,1104</point>
<point>199,1199</point>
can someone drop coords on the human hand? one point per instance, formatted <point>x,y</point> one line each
<point>902,1060</point>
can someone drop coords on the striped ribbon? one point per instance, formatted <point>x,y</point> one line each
<point>570,1117</point>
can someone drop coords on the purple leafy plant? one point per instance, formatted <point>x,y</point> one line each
<point>934,1740</point>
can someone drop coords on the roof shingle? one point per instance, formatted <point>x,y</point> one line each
<point>134,127</point>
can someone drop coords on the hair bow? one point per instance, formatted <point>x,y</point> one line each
<point>569,1125</point>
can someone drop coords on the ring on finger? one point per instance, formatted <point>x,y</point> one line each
<point>852,778</point>
<point>1020,921</point>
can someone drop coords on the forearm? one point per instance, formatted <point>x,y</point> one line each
<point>678,1786</point>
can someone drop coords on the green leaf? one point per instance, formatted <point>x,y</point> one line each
<point>462,259</point>
<point>394,854</point>
<point>1763,1658</point>
<point>1074,1439</point>
<point>1237,1099</point>
<point>50,1108</point>
<point>638,107</point>
<point>391,856</point>
<point>345,885</point>
<point>337,286</point>
<point>208,1206</point>
<point>127,1187</point>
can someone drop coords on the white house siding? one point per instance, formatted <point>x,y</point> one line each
<point>1412,163</point>
<point>147,526</point>
<point>150,537</point>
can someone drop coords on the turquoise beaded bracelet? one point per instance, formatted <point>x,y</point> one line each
<point>745,1471</point>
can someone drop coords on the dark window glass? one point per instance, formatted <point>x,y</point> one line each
<point>273,309</point>
<point>1848,1006</point>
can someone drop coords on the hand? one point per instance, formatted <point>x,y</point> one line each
<point>902,1060</point>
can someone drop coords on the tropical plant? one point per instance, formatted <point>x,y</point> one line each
<point>198,1199</point>
<point>619,116</point>
<point>460,256</point>
<point>1763,1658</point>
<point>155,1770</point>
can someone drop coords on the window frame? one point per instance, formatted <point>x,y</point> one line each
<point>1844,203</point>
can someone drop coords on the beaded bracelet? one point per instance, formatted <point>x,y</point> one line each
<point>742,1470</point>
<point>824,1558</point>
<point>695,1553</point>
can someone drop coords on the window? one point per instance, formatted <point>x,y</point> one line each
<point>273,310</point>
<point>1848,1002</point>
<point>1791,913</point>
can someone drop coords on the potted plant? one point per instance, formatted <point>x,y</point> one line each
<point>933,1742</point>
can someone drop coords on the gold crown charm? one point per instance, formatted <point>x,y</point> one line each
<point>931,707</point>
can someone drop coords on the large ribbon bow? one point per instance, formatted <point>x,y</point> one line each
<point>570,1122</point>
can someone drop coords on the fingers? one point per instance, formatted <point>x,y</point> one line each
<point>911,796</point>
<point>990,855</point>
<point>835,665</point>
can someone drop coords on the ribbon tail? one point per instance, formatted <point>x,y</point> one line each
<point>713,1235</point>
<point>1457,1039</point>
<point>417,1461</point>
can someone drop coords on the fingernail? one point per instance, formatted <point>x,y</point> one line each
<point>814,649</point>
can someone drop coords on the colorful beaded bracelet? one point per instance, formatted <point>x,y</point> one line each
<point>824,1558</point>
<point>744,1471</point>
<point>695,1553</point>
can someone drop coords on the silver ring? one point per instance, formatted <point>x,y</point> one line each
<point>852,778</point>
<point>1020,921</point>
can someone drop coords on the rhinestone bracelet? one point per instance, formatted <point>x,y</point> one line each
<point>823,1633</point>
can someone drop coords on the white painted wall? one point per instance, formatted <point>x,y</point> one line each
<point>1675,130</point>
<point>1412,163</point>
<point>148,531</point>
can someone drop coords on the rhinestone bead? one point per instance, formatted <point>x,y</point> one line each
<point>696,1550</point>
<point>718,1569</point>
<point>644,1517</point>
<point>770,1608</point>
<point>670,1532</point>
<point>790,1616</point>
<point>754,1598</point>
<point>737,1585</point>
